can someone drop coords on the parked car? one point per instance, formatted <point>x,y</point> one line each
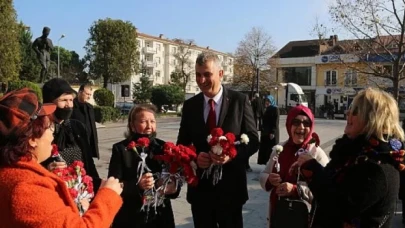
<point>124,107</point>
<point>167,109</point>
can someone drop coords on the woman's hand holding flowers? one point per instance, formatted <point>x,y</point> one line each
<point>147,182</point>
<point>274,179</point>
<point>285,189</point>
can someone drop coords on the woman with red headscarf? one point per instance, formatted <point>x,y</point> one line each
<point>276,178</point>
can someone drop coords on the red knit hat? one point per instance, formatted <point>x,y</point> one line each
<point>18,108</point>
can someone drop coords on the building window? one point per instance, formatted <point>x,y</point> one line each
<point>350,78</point>
<point>197,89</point>
<point>298,75</point>
<point>174,50</point>
<point>158,47</point>
<point>157,73</point>
<point>174,62</point>
<point>330,77</point>
<point>158,60</point>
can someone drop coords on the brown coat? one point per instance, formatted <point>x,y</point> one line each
<point>31,196</point>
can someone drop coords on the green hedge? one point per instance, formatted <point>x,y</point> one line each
<point>104,97</point>
<point>15,85</point>
<point>104,114</point>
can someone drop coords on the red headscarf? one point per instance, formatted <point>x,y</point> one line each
<point>301,110</point>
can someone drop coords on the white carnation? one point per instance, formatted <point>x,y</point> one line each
<point>217,149</point>
<point>278,148</point>
<point>209,138</point>
<point>244,139</point>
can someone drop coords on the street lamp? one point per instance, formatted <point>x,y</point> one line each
<point>257,72</point>
<point>61,37</point>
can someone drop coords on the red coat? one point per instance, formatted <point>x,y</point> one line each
<point>31,196</point>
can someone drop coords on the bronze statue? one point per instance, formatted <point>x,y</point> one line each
<point>43,47</point>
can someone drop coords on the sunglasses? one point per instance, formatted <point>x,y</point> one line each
<point>297,123</point>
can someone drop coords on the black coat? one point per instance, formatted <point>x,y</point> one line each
<point>81,139</point>
<point>79,113</point>
<point>235,116</point>
<point>123,165</point>
<point>270,126</point>
<point>346,191</point>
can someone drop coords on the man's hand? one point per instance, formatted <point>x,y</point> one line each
<point>271,136</point>
<point>219,159</point>
<point>204,160</point>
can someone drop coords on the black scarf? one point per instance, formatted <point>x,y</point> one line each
<point>64,135</point>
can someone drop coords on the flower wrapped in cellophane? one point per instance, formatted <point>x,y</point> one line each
<point>79,184</point>
<point>222,145</point>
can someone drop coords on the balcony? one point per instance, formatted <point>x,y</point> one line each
<point>149,50</point>
<point>149,64</point>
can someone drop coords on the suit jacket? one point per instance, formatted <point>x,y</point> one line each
<point>31,196</point>
<point>236,116</point>
<point>80,115</point>
<point>123,165</point>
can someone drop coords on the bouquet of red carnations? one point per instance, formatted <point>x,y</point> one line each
<point>79,184</point>
<point>222,145</point>
<point>179,164</point>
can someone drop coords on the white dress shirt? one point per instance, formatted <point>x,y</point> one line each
<point>217,100</point>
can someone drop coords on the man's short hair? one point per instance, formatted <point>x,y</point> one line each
<point>85,86</point>
<point>205,57</point>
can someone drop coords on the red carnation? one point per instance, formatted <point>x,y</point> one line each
<point>90,187</point>
<point>217,132</point>
<point>87,179</point>
<point>131,145</point>
<point>143,142</point>
<point>73,192</point>
<point>77,163</point>
<point>232,152</point>
<point>55,151</point>
<point>231,137</point>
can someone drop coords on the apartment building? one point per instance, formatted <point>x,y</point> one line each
<point>160,57</point>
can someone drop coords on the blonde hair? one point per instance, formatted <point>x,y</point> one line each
<point>379,111</point>
<point>134,111</point>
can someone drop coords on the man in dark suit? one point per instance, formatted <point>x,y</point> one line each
<point>217,205</point>
<point>84,112</point>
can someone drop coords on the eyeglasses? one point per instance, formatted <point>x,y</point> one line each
<point>297,123</point>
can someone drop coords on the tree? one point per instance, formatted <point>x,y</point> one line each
<point>142,90</point>
<point>167,95</point>
<point>253,53</point>
<point>30,67</point>
<point>184,65</point>
<point>10,57</point>
<point>378,27</point>
<point>112,50</point>
<point>71,66</point>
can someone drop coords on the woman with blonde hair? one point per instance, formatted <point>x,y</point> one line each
<point>124,166</point>
<point>359,186</point>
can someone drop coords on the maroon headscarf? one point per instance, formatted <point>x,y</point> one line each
<point>294,112</point>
